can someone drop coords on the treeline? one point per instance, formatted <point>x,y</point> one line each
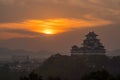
<point>95,75</point>
<point>34,76</point>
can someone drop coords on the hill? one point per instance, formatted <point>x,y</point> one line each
<point>74,67</point>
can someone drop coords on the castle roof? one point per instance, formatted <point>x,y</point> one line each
<point>90,45</point>
<point>74,46</point>
<point>92,34</point>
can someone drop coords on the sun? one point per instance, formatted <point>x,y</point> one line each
<point>47,31</point>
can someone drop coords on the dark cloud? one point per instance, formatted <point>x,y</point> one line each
<point>16,10</point>
<point>20,31</point>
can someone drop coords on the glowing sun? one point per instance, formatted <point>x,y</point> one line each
<point>48,32</point>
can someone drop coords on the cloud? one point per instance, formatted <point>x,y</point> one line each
<point>35,28</point>
<point>7,33</point>
<point>20,10</point>
<point>19,31</point>
<point>6,2</point>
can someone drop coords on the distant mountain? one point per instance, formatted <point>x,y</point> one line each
<point>6,53</point>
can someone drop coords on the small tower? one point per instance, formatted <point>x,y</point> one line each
<point>90,46</point>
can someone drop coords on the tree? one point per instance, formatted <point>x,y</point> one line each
<point>98,75</point>
<point>54,78</point>
<point>31,76</point>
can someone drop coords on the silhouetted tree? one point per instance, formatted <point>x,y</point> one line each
<point>118,77</point>
<point>54,78</point>
<point>31,76</point>
<point>98,75</point>
<point>24,78</point>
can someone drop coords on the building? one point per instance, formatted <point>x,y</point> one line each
<point>90,46</point>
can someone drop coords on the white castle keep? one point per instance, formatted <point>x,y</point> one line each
<point>90,46</point>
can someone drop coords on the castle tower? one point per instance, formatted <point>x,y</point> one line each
<point>90,46</point>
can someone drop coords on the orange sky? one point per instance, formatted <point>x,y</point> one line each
<point>53,26</point>
<point>55,16</point>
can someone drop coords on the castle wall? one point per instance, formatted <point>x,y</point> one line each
<point>75,54</point>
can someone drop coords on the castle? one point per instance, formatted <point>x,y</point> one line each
<point>90,46</point>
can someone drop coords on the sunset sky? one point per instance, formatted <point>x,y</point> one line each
<point>56,25</point>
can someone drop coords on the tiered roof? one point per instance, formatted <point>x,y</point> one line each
<point>90,45</point>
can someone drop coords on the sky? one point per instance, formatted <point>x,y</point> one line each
<point>56,25</point>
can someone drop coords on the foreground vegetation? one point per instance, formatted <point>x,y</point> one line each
<point>96,75</point>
